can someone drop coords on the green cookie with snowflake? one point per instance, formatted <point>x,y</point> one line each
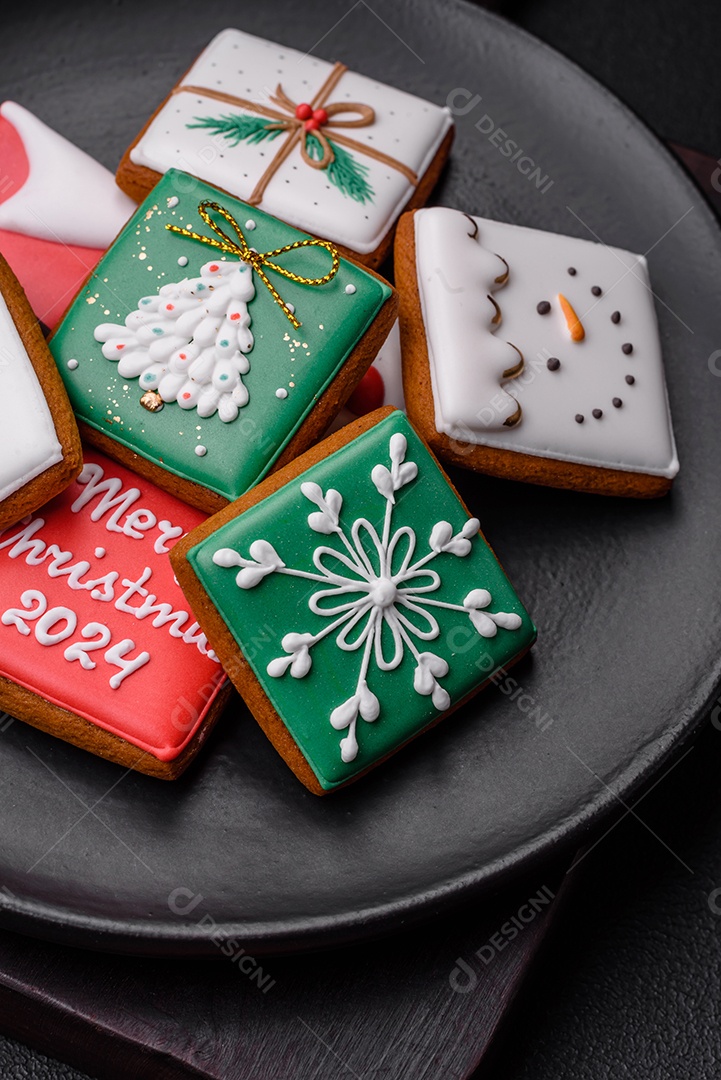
<point>353,600</point>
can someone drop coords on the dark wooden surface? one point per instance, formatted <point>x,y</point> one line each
<point>391,1009</point>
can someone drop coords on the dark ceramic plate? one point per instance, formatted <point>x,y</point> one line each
<point>627,595</point>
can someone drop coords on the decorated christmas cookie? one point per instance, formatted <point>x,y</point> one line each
<point>381,385</point>
<point>38,435</point>
<point>533,356</point>
<point>59,210</point>
<point>327,150</point>
<point>214,343</point>
<point>374,588</point>
<point>97,644</point>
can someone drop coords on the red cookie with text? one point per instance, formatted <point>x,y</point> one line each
<point>97,643</point>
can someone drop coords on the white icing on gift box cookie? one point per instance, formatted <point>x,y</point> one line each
<point>325,149</point>
<point>59,210</point>
<point>539,356</point>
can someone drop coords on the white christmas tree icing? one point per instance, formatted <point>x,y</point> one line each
<point>362,593</point>
<point>189,341</point>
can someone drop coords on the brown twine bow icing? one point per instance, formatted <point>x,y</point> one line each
<point>259,260</point>
<point>294,119</point>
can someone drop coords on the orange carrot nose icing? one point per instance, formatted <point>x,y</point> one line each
<point>575,326</point>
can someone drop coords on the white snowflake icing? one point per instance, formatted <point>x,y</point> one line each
<point>364,592</point>
<point>189,341</point>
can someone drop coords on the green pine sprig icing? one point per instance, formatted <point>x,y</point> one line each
<point>237,128</point>
<point>346,173</point>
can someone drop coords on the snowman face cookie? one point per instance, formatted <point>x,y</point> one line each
<point>539,355</point>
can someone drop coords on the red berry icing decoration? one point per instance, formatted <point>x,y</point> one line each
<point>185,396</point>
<point>368,394</point>
<point>170,307</point>
<point>213,268</point>
<point>119,347</point>
<point>235,316</point>
<point>312,124</point>
<point>303,111</point>
<point>321,116</point>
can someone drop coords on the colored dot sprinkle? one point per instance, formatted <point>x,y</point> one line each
<point>617,403</point>
<point>72,364</point>
<point>616,317</point>
<point>173,201</point>
<point>183,260</point>
<point>281,392</point>
<point>596,290</point>
<point>630,380</point>
<point>200,450</point>
<point>553,363</point>
<point>597,414</point>
<point>579,418</point>
<point>543,307</point>
<point>350,289</point>
<point>627,349</point>
<point>250,224</point>
<point>99,552</point>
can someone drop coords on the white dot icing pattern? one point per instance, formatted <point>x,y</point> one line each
<point>405,127</point>
<point>89,212</point>
<point>635,437</point>
<point>29,441</point>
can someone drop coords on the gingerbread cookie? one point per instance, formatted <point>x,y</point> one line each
<point>97,644</point>
<point>533,356</point>
<point>373,586</point>
<point>327,150</point>
<point>234,358</point>
<point>381,385</point>
<point>38,433</point>
<point>59,210</point>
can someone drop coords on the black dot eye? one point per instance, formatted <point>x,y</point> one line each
<point>572,271</point>
<point>630,380</point>
<point>579,418</point>
<point>616,317</point>
<point>553,363</point>
<point>543,307</point>
<point>627,349</point>
<point>617,403</point>
<point>597,414</point>
<point>596,290</point>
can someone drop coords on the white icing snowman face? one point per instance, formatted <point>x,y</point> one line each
<point>591,386</point>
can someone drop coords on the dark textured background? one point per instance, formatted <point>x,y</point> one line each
<point>629,984</point>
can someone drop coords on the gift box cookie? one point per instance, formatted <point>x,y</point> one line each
<point>39,437</point>
<point>214,343</point>
<point>374,587</point>
<point>59,210</point>
<point>327,150</point>
<point>533,356</point>
<point>97,644</point>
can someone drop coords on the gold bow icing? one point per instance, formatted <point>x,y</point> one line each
<point>259,260</point>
